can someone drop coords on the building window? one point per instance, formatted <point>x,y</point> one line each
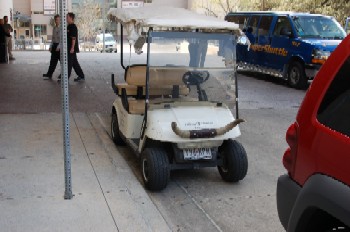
<point>24,24</point>
<point>27,33</point>
<point>39,30</point>
<point>148,1</point>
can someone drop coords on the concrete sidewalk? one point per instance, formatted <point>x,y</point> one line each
<point>107,195</point>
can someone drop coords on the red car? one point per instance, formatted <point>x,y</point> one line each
<point>315,194</point>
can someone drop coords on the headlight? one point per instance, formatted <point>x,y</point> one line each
<point>320,56</point>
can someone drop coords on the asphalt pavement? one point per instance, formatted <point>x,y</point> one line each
<point>106,179</point>
<point>107,195</point>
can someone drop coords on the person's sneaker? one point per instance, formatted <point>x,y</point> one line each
<point>47,77</point>
<point>79,79</point>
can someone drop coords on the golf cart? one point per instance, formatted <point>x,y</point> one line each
<point>175,107</point>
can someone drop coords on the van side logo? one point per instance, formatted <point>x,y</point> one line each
<point>295,44</point>
<point>269,49</point>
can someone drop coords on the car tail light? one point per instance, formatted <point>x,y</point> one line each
<point>290,154</point>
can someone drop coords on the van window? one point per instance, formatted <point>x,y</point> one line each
<point>265,24</point>
<point>253,24</point>
<point>283,23</point>
<point>334,111</point>
<point>319,27</point>
<point>264,28</point>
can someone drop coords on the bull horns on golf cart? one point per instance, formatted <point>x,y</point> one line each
<point>205,133</point>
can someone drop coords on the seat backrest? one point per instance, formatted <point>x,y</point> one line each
<point>160,76</point>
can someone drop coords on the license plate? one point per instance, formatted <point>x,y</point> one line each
<point>197,153</point>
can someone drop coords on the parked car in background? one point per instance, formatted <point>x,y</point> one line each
<point>315,194</point>
<point>287,44</point>
<point>110,43</point>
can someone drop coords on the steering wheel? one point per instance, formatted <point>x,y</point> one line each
<point>195,77</point>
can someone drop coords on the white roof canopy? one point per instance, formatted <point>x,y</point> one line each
<point>168,17</point>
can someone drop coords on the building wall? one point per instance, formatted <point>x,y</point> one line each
<point>35,10</point>
<point>5,8</point>
<point>177,3</point>
<point>22,6</point>
<point>155,3</point>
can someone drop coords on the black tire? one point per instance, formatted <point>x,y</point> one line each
<point>155,168</point>
<point>117,139</point>
<point>340,229</point>
<point>235,161</point>
<point>296,75</point>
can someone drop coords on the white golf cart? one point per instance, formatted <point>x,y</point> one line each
<point>174,109</point>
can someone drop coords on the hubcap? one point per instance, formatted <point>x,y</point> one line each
<point>113,127</point>
<point>145,169</point>
<point>294,75</point>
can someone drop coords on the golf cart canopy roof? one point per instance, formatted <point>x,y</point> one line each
<point>170,17</point>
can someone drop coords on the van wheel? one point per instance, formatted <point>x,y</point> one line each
<point>235,161</point>
<point>117,139</point>
<point>296,75</point>
<point>155,168</point>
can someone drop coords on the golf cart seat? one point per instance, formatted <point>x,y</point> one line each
<point>163,82</point>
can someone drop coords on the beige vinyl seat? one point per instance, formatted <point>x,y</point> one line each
<point>164,82</point>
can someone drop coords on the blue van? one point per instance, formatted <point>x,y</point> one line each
<point>287,44</point>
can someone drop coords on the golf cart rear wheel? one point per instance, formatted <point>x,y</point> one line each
<point>117,139</point>
<point>235,161</point>
<point>155,168</point>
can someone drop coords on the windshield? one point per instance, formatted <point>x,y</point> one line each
<point>205,62</point>
<point>202,62</point>
<point>318,27</point>
<point>109,38</point>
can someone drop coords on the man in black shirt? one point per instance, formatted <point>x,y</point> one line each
<point>3,35</point>
<point>73,48</point>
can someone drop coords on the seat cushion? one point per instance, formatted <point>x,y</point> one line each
<point>136,106</point>
<point>168,76</point>
<point>131,90</point>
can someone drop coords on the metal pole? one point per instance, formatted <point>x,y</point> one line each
<point>65,101</point>
<point>263,5</point>
<point>103,24</point>
<point>57,7</point>
<point>236,90</point>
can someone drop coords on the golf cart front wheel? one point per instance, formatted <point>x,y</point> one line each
<point>235,161</point>
<point>117,139</point>
<point>155,168</point>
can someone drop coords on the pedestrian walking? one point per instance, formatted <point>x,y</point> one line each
<point>73,48</point>
<point>8,28</point>
<point>54,48</point>
<point>3,35</point>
